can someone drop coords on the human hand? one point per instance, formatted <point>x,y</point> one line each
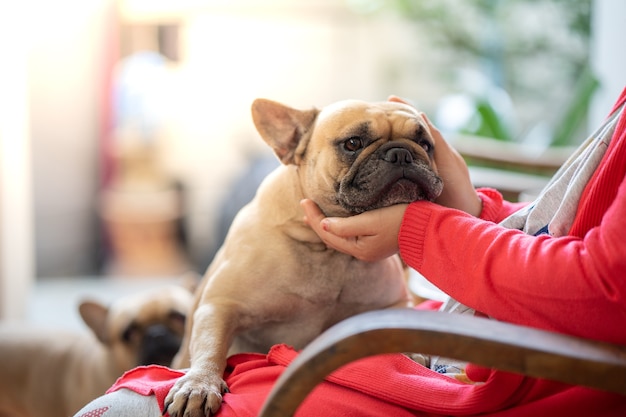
<point>458,190</point>
<point>369,236</point>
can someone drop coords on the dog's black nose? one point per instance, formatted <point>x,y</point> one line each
<point>159,345</point>
<point>398,156</point>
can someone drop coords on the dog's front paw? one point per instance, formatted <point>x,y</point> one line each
<point>195,395</point>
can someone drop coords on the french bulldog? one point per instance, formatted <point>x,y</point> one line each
<point>273,280</point>
<point>51,373</point>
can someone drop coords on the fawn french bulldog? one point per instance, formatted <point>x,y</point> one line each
<point>52,373</point>
<point>273,280</point>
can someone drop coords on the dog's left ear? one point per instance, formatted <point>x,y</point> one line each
<point>95,316</point>
<point>283,127</point>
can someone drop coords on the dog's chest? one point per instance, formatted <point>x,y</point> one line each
<point>318,296</point>
<point>331,278</point>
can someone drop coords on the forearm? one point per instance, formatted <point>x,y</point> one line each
<point>563,284</point>
<point>416,222</point>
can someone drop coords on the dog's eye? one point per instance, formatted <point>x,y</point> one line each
<point>131,332</point>
<point>177,317</point>
<point>176,321</point>
<point>421,138</point>
<point>426,145</point>
<point>353,144</point>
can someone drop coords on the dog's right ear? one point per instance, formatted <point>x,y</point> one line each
<point>283,127</point>
<point>95,316</point>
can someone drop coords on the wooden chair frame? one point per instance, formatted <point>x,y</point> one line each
<point>514,348</point>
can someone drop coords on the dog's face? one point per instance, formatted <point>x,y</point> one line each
<point>354,156</point>
<point>142,329</point>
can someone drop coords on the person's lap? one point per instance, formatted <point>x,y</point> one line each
<point>121,403</point>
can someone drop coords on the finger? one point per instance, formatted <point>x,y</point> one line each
<point>442,148</point>
<point>316,219</point>
<point>433,129</point>
<point>319,223</point>
<point>397,99</point>
<point>313,214</point>
<point>341,244</point>
<point>346,227</point>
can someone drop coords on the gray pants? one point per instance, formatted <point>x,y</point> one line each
<point>121,403</point>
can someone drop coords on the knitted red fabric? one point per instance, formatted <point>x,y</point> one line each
<point>602,188</point>
<point>387,385</point>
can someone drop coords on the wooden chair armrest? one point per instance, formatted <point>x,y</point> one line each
<point>485,342</point>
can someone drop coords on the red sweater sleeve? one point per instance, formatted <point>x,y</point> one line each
<point>495,208</point>
<point>567,284</point>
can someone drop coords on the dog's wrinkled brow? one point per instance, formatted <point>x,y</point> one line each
<point>362,129</point>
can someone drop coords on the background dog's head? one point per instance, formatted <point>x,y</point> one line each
<point>354,156</point>
<point>141,329</point>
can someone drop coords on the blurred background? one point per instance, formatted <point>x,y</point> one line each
<point>126,143</point>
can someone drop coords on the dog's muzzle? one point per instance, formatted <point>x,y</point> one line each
<point>394,174</point>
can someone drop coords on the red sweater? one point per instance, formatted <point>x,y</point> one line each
<point>574,284</point>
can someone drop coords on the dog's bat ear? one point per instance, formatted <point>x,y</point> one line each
<point>95,315</point>
<point>283,127</point>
